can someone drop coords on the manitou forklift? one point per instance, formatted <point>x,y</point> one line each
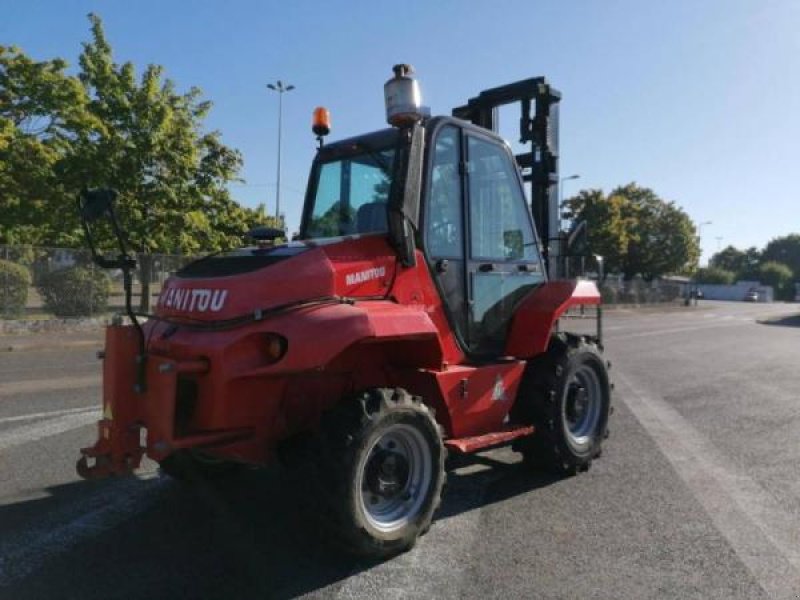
<point>420,311</point>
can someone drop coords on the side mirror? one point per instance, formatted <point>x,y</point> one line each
<point>578,240</point>
<point>265,234</point>
<point>93,204</point>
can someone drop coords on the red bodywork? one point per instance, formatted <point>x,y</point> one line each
<point>217,390</point>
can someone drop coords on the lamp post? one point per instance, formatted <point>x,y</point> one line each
<point>281,88</point>
<point>561,181</point>
<point>700,234</point>
<point>699,238</point>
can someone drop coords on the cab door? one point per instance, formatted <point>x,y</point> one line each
<point>445,242</point>
<point>503,260</point>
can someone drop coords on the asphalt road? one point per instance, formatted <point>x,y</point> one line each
<point>697,494</point>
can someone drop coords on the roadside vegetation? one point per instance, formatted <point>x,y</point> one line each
<point>105,125</point>
<point>777,265</point>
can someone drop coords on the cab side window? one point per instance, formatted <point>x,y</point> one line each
<point>445,235</point>
<point>500,227</point>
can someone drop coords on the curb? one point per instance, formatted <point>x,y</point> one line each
<point>55,325</point>
<point>25,346</point>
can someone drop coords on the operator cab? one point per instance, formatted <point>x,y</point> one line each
<point>473,223</point>
<point>451,188</point>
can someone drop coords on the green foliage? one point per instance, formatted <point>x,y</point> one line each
<point>779,276</point>
<point>14,282</point>
<point>41,108</point>
<point>75,291</point>
<point>109,128</point>
<point>735,260</point>
<point>785,250</point>
<point>714,274</point>
<point>637,232</point>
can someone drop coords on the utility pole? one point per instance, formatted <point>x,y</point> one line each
<point>281,88</point>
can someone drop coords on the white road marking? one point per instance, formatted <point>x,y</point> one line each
<point>765,536</point>
<point>657,332</point>
<point>61,530</point>
<point>48,385</point>
<point>49,414</point>
<point>50,427</point>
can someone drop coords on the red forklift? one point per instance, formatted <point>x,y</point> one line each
<point>420,311</point>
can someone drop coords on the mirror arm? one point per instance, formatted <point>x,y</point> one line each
<point>126,264</point>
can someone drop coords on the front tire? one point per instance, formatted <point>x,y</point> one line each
<point>380,462</point>
<point>566,396</point>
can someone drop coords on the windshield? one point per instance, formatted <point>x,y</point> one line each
<point>351,192</point>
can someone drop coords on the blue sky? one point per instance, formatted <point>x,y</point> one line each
<point>699,100</point>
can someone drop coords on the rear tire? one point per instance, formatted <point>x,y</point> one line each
<point>375,472</point>
<point>566,396</point>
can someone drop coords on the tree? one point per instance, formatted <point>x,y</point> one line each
<point>779,276</point>
<point>609,221</point>
<point>785,250</point>
<point>716,275</point>
<point>735,260</point>
<point>106,128</point>
<point>637,232</point>
<point>147,141</point>
<point>40,109</point>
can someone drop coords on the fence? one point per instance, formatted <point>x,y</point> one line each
<point>637,291</point>
<point>616,290</point>
<point>42,283</point>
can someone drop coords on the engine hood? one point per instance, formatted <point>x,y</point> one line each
<point>242,282</point>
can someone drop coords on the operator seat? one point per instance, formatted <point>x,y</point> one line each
<point>372,218</point>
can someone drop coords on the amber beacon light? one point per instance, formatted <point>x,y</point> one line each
<point>321,123</point>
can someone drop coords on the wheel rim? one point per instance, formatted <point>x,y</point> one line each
<point>395,477</point>
<point>582,407</point>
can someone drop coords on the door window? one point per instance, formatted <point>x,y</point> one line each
<point>504,258</point>
<point>445,223</point>
<point>500,226</point>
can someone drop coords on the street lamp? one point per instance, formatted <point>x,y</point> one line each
<point>561,181</point>
<point>699,237</point>
<point>700,234</point>
<point>280,88</point>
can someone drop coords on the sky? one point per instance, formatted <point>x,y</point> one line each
<point>698,100</point>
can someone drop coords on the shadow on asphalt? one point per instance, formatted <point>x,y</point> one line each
<point>791,321</point>
<point>241,538</point>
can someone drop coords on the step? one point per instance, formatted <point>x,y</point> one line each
<point>476,443</point>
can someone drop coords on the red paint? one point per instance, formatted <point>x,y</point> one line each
<point>477,443</point>
<point>538,312</point>
<point>381,325</point>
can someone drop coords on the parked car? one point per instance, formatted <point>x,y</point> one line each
<point>751,296</point>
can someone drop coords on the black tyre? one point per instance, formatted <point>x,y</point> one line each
<point>566,395</point>
<point>189,465</point>
<point>377,473</point>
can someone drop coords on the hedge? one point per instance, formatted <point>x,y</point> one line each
<point>14,282</point>
<point>75,291</point>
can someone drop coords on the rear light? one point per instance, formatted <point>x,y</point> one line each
<point>275,346</point>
